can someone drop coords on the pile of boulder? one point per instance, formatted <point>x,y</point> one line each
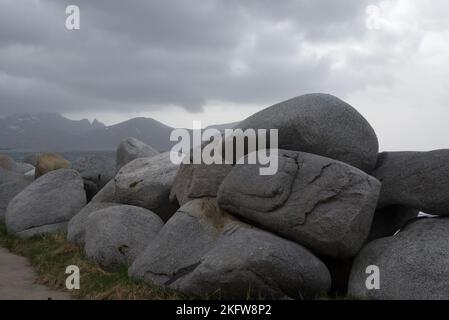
<point>334,210</point>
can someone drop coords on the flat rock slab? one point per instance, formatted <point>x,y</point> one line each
<point>17,280</point>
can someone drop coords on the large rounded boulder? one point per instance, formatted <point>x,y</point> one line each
<point>323,204</point>
<point>416,180</point>
<point>146,183</point>
<point>117,234</point>
<point>11,184</point>
<point>412,265</point>
<point>203,251</point>
<point>132,148</point>
<point>76,229</point>
<point>320,124</point>
<point>47,204</point>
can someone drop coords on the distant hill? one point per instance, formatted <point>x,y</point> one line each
<point>53,132</point>
<point>150,131</point>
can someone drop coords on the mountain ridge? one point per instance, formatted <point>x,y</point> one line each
<point>54,132</point>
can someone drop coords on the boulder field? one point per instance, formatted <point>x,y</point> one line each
<point>334,211</point>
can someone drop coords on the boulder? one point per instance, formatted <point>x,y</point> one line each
<point>7,163</point>
<point>323,204</point>
<point>8,190</point>
<point>98,168</point>
<point>47,162</point>
<point>116,235</point>
<point>320,124</point>
<point>389,220</point>
<point>132,148</point>
<point>77,225</point>
<point>203,251</point>
<point>413,264</point>
<point>415,179</point>
<point>195,181</point>
<point>146,183</point>
<point>52,199</point>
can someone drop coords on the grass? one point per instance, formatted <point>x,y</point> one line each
<point>51,254</point>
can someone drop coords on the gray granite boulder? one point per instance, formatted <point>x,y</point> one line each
<point>77,225</point>
<point>203,251</point>
<point>50,200</point>
<point>132,148</point>
<point>413,265</point>
<point>146,183</point>
<point>418,180</point>
<point>116,235</point>
<point>323,204</point>
<point>387,221</point>
<point>10,186</point>
<point>320,124</point>
<point>195,181</point>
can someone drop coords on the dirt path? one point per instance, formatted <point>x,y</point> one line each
<point>17,280</point>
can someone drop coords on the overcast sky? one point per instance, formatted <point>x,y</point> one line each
<point>221,61</point>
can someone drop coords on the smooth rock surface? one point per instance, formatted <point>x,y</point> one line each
<point>195,181</point>
<point>52,199</point>
<point>146,183</point>
<point>414,264</point>
<point>320,124</point>
<point>203,251</point>
<point>132,148</point>
<point>8,191</point>
<point>323,204</point>
<point>116,235</point>
<point>416,180</point>
<point>77,225</point>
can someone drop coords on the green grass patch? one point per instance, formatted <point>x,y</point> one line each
<point>50,255</point>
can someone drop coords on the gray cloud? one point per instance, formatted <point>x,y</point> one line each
<point>146,55</point>
<point>181,59</point>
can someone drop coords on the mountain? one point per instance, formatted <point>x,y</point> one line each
<point>150,131</point>
<point>53,132</point>
<point>40,131</point>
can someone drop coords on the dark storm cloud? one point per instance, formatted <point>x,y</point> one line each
<point>144,55</point>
